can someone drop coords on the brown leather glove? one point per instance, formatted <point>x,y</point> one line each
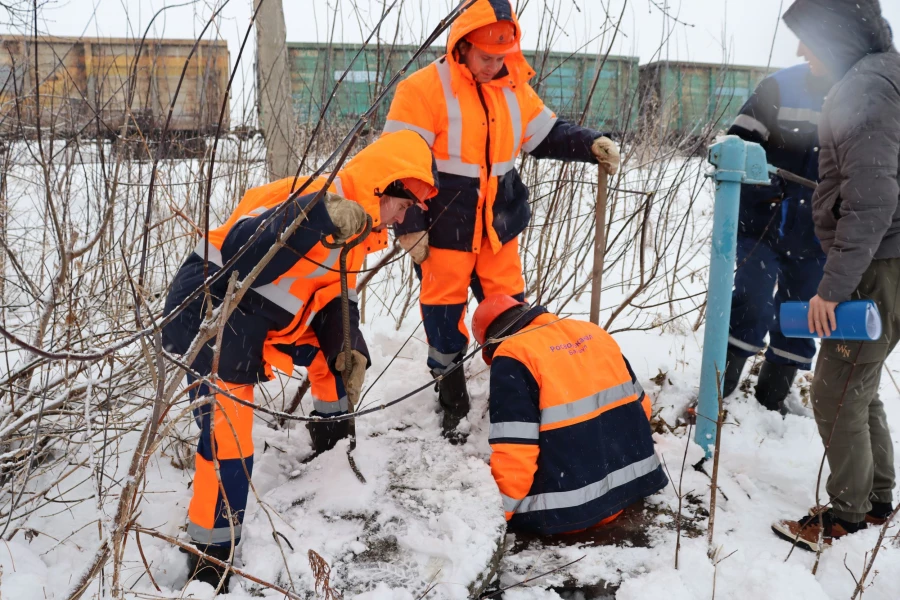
<point>607,154</point>
<point>348,216</point>
<point>416,245</point>
<point>354,383</point>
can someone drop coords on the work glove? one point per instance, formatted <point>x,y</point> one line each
<point>416,245</point>
<point>354,382</point>
<point>348,216</point>
<point>606,153</point>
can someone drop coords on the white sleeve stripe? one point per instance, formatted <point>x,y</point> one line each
<point>750,124</point>
<point>392,126</point>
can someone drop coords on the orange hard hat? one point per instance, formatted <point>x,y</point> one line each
<point>420,189</point>
<point>487,312</point>
<point>495,38</point>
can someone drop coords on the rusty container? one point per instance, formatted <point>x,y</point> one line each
<point>92,86</point>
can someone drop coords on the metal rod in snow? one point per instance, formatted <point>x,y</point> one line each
<point>599,242</point>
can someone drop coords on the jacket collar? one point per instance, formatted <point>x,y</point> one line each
<point>509,323</point>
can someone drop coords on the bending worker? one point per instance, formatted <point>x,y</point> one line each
<point>570,429</point>
<point>477,112</point>
<point>779,257</point>
<point>291,316</point>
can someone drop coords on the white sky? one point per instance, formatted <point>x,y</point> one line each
<point>736,31</point>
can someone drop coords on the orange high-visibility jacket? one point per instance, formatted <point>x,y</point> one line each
<point>477,132</point>
<point>296,285</point>
<point>570,428</point>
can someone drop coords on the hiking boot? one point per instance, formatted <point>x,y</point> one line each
<point>878,516</point>
<point>774,385</point>
<point>454,400</point>
<point>326,434</point>
<point>201,569</point>
<point>807,530</point>
<point>734,366</point>
<point>880,513</point>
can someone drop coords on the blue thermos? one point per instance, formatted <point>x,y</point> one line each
<point>857,320</point>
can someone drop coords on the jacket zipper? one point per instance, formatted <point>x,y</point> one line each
<point>487,153</point>
<point>487,122</point>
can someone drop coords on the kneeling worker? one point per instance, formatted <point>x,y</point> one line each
<point>291,316</point>
<point>570,429</point>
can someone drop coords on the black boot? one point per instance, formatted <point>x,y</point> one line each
<point>734,366</point>
<point>325,434</point>
<point>203,570</point>
<point>774,384</point>
<point>454,400</point>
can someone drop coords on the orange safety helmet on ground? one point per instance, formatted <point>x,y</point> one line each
<point>487,312</point>
<point>495,38</point>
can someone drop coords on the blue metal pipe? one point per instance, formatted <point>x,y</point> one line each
<point>736,162</point>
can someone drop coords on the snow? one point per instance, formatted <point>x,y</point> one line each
<point>430,513</point>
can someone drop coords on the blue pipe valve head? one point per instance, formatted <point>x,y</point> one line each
<point>739,161</point>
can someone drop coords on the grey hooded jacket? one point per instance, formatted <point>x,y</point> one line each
<point>855,208</point>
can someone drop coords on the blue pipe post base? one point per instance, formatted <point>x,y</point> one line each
<point>736,162</point>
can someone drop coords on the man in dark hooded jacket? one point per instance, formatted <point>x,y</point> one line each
<point>855,210</point>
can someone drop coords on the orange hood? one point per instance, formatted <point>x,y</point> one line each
<point>389,158</point>
<point>485,12</point>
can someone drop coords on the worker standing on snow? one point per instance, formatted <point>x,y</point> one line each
<point>777,249</point>
<point>570,429</point>
<point>476,110</point>
<point>291,316</point>
<point>856,213</point>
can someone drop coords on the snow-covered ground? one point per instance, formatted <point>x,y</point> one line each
<point>430,511</point>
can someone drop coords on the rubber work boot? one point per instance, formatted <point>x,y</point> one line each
<point>326,434</point>
<point>454,400</point>
<point>734,366</point>
<point>774,384</point>
<point>200,569</point>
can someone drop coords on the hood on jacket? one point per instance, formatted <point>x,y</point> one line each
<point>389,158</point>
<point>840,32</point>
<point>485,12</point>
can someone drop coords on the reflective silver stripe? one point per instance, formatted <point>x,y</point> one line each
<point>281,295</point>
<point>214,255</point>
<point>510,504</point>
<point>253,213</point>
<point>515,429</point>
<point>218,535</point>
<point>501,169</point>
<point>538,129</point>
<point>751,124</point>
<point>393,126</point>
<point>803,115</point>
<point>454,112</point>
<point>559,500</point>
<point>744,345</point>
<point>455,166</point>
<point>790,355</point>
<point>564,412</point>
<point>331,408</point>
<point>353,295</point>
<point>339,187</point>
<point>515,115</point>
<point>327,265</point>
<point>444,359</point>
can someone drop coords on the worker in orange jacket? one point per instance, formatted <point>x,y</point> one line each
<point>570,424</point>
<point>476,110</point>
<point>291,316</point>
